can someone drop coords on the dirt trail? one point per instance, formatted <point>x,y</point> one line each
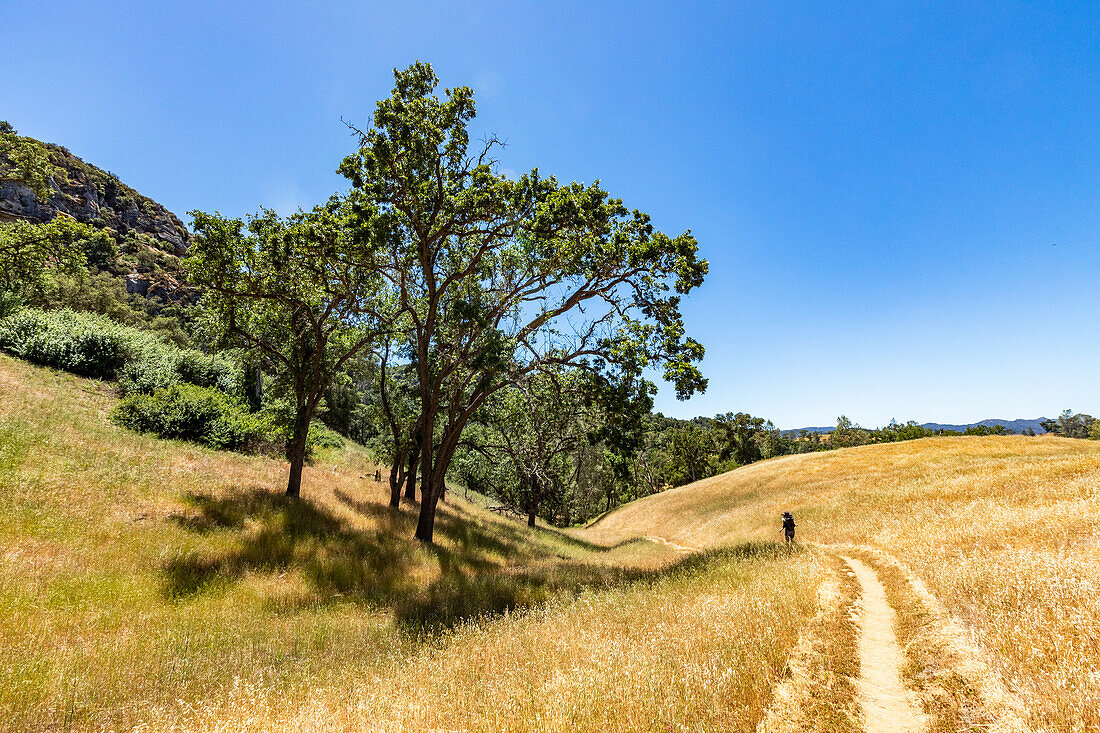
<point>887,706</point>
<point>666,543</point>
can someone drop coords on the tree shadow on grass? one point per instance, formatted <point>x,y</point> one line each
<point>484,568</point>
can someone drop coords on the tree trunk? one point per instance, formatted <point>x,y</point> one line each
<point>433,480</point>
<point>297,454</point>
<point>533,503</point>
<point>425,523</point>
<point>396,480</point>
<point>410,478</point>
<point>429,498</point>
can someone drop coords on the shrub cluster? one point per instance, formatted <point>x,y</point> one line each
<point>81,343</point>
<point>189,412</point>
<point>93,345</point>
<point>168,391</point>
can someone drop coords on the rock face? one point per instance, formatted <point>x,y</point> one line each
<point>93,196</point>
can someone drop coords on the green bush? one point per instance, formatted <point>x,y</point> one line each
<point>155,365</point>
<point>93,345</point>
<point>189,412</point>
<point>321,436</point>
<point>81,343</point>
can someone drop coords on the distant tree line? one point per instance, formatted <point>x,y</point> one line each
<point>1070,425</point>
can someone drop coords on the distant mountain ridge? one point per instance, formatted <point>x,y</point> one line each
<point>1018,425</point>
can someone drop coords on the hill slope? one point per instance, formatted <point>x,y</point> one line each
<point>160,585</point>
<point>152,583</point>
<point>1001,529</point>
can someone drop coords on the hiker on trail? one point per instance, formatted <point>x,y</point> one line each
<point>788,527</point>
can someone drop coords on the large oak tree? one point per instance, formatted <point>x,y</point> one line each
<point>500,277</point>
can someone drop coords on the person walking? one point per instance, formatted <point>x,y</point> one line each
<point>788,527</point>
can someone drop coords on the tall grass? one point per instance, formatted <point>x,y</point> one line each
<point>159,585</point>
<point>1000,529</point>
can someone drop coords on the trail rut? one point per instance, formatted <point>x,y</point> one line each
<point>667,543</point>
<point>887,706</point>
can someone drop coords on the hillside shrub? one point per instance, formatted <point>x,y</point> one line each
<point>197,414</point>
<point>81,343</point>
<point>94,345</point>
<point>155,365</point>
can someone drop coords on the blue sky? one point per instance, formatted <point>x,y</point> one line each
<point>900,202</point>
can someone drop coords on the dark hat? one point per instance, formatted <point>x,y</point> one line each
<point>786,514</point>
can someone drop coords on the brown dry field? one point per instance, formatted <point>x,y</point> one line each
<point>1001,530</point>
<point>152,585</point>
<point>159,586</point>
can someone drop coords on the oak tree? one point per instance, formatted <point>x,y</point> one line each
<point>501,276</point>
<point>295,290</point>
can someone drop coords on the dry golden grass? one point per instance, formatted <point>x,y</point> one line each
<point>1000,529</point>
<point>820,695</point>
<point>162,586</point>
<point>698,649</point>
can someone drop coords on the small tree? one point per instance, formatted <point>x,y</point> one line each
<point>541,428</point>
<point>847,434</point>
<point>742,433</point>
<point>1070,425</point>
<point>294,290</point>
<point>691,452</point>
<point>25,161</point>
<point>533,427</point>
<point>34,256</point>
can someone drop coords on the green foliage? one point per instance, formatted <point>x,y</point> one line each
<point>847,434</point>
<point>692,453</point>
<point>743,434</point>
<point>10,303</point>
<point>154,364</point>
<point>295,292</point>
<point>34,256</point>
<point>1070,425</point>
<point>986,430</point>
<point>25,160</point>
<point>65,264</point>
<point>104,293</point>
<point>81,343</point>
<point>92,345</point>
<point>192,413</point>
<point>895,431</point>
<point>501,277</point>
<point>279,414</point>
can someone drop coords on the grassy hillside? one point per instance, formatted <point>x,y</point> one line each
<point>1001,529</point>
<point>160,584</point>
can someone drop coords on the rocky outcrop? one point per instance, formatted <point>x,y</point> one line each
<point>93,196</point>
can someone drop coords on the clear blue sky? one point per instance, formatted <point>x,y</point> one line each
<point>900,202</point>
